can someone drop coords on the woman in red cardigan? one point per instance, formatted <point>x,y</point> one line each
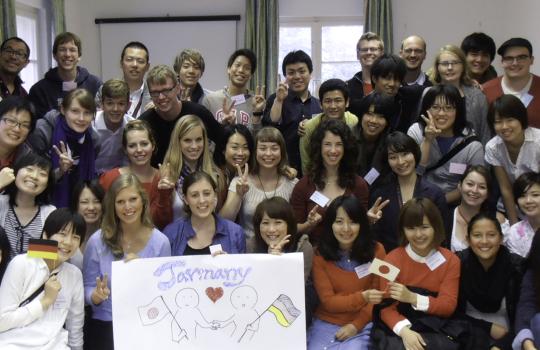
<point>427,284</point>
<point>332,173</point>
<point>346,290</point>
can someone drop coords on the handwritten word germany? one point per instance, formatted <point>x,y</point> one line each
<point>177,272</point>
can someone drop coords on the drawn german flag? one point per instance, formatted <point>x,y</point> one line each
<point>43,248</point>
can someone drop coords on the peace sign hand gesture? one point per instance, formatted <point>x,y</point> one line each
<point>229,113</point>
<point>277,248</point>
<point>242,185</point>
<point>64,157</point>
<point>165,181</point>
<point>185,94</point>
<point>259,101</point>
<point>282,90</point>
<point>431,131</point>
<point>375,213</point>
<point>102,291</point>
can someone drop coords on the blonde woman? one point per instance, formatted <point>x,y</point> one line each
<point>268,178</point>
<point>451,68</point>
<point>188,152</point>
<point>126,232</point>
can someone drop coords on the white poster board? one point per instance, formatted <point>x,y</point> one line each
<point>236,301</point>
<point>216,40</point>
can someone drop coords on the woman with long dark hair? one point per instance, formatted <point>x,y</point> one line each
<point>331,173</point>
<point>343,317</point>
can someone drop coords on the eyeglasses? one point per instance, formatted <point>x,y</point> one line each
<point>165,92</point>
<point>416,51</point>
<point>447,64</point>
<point>446,108</point>
<point>13,123</point>
<point>512,59</point>
<point>17,54</point>
<point>369,49</point>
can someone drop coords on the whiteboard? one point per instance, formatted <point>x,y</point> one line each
<point>216,40</point>
<point>232,301</point>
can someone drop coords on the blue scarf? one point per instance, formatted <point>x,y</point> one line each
<point>84,170</point>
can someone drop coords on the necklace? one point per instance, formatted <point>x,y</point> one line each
<point>264,191</point>
<point>461,214</point>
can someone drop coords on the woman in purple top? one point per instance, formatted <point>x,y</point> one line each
<point>201,227</point>
<point>126,233</point>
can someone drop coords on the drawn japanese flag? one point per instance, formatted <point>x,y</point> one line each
<point>153,312</point>
<point>384,269</point>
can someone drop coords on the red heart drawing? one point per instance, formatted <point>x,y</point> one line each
<point>214,294</point>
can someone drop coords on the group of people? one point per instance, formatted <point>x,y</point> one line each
<point>436,173</point>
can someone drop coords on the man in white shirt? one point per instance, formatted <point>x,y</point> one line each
<point>135,62</point>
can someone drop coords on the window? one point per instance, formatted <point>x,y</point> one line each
<point>30,16</point>
<point>330,43</point>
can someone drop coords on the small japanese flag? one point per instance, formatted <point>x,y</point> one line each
<point>384,269</point>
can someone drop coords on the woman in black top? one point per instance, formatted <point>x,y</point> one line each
<point>489,284</point>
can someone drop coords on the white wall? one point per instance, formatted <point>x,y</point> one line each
<point>318,8</point>
<point>448,22</point>
<point>80,16</point>
<point>439,22</point>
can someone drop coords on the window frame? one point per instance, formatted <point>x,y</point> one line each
<point>316,24</point>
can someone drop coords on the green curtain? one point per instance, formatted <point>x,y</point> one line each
<point>9,23</point>
<point>261,36</point>
<point>59,20</point>
<point>378,19</point>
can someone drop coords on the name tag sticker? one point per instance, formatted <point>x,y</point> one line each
<point>60,302</point>
<point>238,99</point>
<point>435,260</point>
<point>371,176</point>
<point>458,168</point>
<point>319,198</point>
<point>69,85</point>
<point>215,248</point>
<point>362,270</point>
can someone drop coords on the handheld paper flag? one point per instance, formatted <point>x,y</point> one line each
<point>384,269</point>
<point>284,310</point>
<point>43,248</point>
<point>153,312</point>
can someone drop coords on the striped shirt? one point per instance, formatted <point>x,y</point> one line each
<point>18,235</point>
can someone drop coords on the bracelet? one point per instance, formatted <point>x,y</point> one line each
<point>257,114</point>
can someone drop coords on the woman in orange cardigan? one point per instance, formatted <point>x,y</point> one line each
<point>426,288</point>
<point>346,290</point>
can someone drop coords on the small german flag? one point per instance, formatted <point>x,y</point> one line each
<point>43,248</point>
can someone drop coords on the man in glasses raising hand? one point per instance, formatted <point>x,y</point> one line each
<point>517,59</point>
